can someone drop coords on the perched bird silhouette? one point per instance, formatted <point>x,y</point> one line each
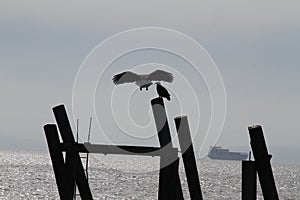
<point>162,91</point>
<point>143,80</point>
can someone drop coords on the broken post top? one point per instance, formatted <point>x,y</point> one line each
<point>254,126</point>
<point>63,123</point>
<point>157,100</point>
<point>256,133</point>
<point>60,106</point>
<point>180,117</point>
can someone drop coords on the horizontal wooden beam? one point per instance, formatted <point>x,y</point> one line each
<point>115,149</point>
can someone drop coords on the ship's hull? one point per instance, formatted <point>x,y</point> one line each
<point>218,153</point>
<point>228,157</point>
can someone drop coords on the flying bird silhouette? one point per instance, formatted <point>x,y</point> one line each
<point>162,91</point>
<point>142,80</point>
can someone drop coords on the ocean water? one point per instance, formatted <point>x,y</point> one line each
<point>26,175</point>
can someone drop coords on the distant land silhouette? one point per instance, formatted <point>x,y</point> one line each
<point>280,154</point>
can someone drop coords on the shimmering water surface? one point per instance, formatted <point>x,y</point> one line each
<point>30,176</point>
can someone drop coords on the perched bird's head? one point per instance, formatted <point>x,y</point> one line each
<point>157,83</point>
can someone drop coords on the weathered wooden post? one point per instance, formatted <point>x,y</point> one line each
<point>262,163</point>
<point>75,170</point>
<point>66,135</point>
<point>169,181</point>
<point>188,156</point>
<point>63,184</point>
<point>249,182</point>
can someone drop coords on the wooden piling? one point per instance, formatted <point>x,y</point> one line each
<point>63,185</point>
<point>188,156</point>
<point>161,122</point>
<point>169,181</point>
<point>249,182</point>
<point>73,162</point>
<point>262,163</point>
<point>68,138</point>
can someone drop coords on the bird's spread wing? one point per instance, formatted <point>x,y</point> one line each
<point>125,77</point>
<point>160,75</point>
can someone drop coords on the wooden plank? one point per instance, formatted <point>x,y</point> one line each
<point>114,149</point>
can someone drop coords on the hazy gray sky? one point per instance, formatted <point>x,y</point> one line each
<point>255,44</point>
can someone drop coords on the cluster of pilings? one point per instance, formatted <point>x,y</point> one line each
<point>69,171</point>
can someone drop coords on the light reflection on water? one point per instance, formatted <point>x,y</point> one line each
<point>30,176</point>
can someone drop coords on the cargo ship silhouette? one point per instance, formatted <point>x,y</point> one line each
<point>219,153</point>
